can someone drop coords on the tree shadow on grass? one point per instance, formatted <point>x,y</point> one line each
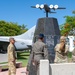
<point>25,55</point>
<point>22,57</point>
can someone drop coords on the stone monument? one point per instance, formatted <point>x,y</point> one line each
<point>49,27</point>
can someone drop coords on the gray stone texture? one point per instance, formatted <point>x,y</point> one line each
<point>56,69</point>
<point>62,69</point>
<point>44,67</point>
<point>49,27</point>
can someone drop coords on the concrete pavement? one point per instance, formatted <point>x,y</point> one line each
<point>3,57</point>
<point>20,71</point>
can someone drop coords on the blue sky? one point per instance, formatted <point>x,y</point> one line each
<point>20,11</point>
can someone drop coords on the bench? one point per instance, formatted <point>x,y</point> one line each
<point>18,65</point>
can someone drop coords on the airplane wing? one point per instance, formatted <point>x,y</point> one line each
<point>33,6</point>
<point>23,41</point>
<point>18,44</point>
<point>4,39</point>
<point>52,12</point>
<point>61,8</point>
<point>58,8</point>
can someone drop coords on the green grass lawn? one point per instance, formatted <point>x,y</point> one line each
<point>21,57</point>
<point>70,57</point>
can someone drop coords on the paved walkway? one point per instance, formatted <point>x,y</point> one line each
<point>20,71</point>
<point>3,57</point>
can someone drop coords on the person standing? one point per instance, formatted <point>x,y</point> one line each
<point>61,51</point>
<point>30,69</point>
<point>73,52</point>
<point>11,57</point>
<point>39,51</point>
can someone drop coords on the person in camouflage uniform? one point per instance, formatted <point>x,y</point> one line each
<point>30,70</point>
<point>73,53</point>
<point>11,57</point>
<point>39,51</point>
<point>61,51</point>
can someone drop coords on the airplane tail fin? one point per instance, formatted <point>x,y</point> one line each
<point>27,35</point>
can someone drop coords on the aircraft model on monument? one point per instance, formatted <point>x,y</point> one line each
<point>48,9</point>
<point>23,41</point>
